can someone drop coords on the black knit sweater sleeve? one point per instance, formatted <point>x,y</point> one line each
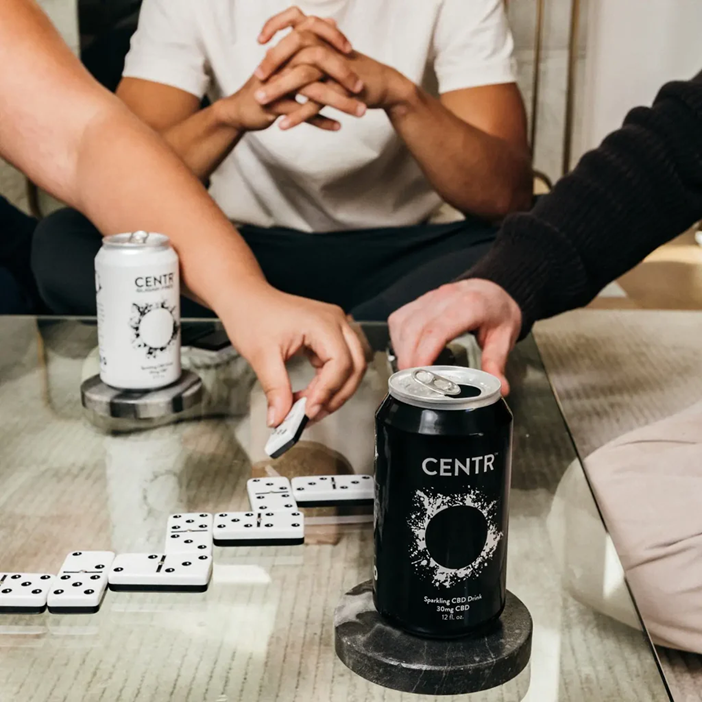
<point>639,189</point>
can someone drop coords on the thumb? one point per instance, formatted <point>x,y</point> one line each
<point>495,352</point>
<point>273,376</point>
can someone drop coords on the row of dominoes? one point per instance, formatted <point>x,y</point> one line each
<point>186,562</point>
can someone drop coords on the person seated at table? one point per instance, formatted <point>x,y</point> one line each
<point>53,126</point>
<point>641,188</point>
<point>339,208</point>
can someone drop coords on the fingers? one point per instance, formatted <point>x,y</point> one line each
<point>288,82</point>
<point>332,64</point>
<point>358,358</point>
<point>288,18</point>
<point>496,348</point>
<point>344,363</point>
<point>296,113</point>
<point>273,376</point>
<point>326,94</point>
<point>325,29</point>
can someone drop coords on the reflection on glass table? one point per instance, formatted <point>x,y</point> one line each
<point>263,631</point>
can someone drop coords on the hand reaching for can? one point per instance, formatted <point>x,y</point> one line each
<point>274,326</point>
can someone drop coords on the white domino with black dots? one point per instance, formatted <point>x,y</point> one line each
<point>81,583</point>
<point>24,593</point>
<point>285,528</point>
<point>161,572</point>
<point>270,495</point>
<point>329,490</point>
<point>189,533</point>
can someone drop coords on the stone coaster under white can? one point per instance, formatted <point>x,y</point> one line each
<point>106,401</point>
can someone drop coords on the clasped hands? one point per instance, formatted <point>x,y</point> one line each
<point>316,61</point>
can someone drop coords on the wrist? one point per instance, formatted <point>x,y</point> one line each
<point>402,94</point>
<point>227,113</point>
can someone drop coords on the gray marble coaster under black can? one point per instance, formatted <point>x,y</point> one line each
<point>390,657</point>
<point>142,404</point>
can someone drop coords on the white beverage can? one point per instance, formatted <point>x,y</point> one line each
<point>138,308</point>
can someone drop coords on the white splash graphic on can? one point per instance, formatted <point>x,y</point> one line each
<point>427,504</point>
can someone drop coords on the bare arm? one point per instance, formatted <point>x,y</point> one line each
<point>471,144</point>
<point>84,146</point>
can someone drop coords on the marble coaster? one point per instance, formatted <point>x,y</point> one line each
<point>379,652</point>
<point>142,404</point>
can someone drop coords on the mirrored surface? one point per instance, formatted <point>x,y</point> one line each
<point>263,631</point>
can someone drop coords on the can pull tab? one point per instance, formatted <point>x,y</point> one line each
<point>138,237</point>
<point>436,383</point>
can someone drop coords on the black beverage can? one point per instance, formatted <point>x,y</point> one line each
<point>443,465</point>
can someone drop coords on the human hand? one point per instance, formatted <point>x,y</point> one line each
<point>420,329</point>
<point>269,327</point>
<point>312,45</point>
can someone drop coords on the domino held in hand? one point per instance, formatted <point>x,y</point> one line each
<point>328,490</point>
<point>288,433</point>
<point>259,528</point>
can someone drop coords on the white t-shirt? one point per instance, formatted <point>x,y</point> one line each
<point>307,179</point>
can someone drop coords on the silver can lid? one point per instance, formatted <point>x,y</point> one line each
<point>149,241</point>
<point>445,387</point>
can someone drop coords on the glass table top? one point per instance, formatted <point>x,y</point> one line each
<point>264,629</point>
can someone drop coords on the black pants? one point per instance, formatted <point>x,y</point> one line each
<point>18,294</point>
<point>369,273</point>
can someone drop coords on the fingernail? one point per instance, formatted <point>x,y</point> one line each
<point>358,87</point>
<point>260,95</point>
<point>271,417</point>
<point>336,127</point>
<point>361,110</point>
<point>285,123</point>
<point>261,37</point>
<point>312,411</point>
<point>259,73</point>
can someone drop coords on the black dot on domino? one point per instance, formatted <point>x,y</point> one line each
<point>249,514</point>
<point>221,526</point>
<point>259,497</point>
<point>118,569</point>
<point>203,526</point>
<point>44,577</point>
<point>202,558</point>
<point>203,515</point>
<point>355,482</point>
<point>268,525</point>
<point>6,590</point>
<point>169,570</point>
<point>344,487</point>
<point>233,520</point>
<point>366,477</point>
<point>222,515</point>
<point>89,592</point>
<point>77,584</point>
<point>301,489</point>
<point>296,525</point>
<point>247,526</point>
<point>153,555</point>
<point>77,553</point>
<point>188,541</point>
<point>96,577</point>
<point>175,536</point>
<point>295,514</point>
<point>323,478</point>
<point>177,516</point>
<point>100,566</point>
<point>26,583</point>
<point>189,521</point>
<point>187,563</point>
<point>288,506</point>
<point>65,577</point>
<point>256,480</point>
<point>36,592</point>
<point>58,592</point>
<point>201,546</point>
<point>16,576</point>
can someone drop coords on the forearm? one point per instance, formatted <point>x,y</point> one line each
<point>203,140</point>
<point>639,189</point>
<point>131,181</point>
<point>475,172</point>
